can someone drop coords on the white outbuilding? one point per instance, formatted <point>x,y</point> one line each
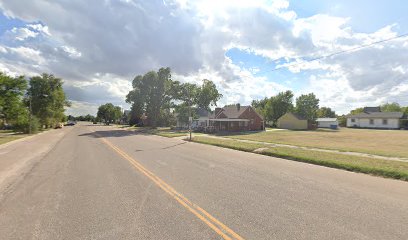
<point>327,123</point>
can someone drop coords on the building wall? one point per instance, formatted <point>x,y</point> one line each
<point>288,121</point>
<point>378,123</point>
<point>326,124</point>
<point>255,123</point>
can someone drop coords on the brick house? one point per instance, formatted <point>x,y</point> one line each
<point>236,118</point>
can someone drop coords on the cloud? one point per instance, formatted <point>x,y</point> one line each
<point>98,47</point>
<point>21,34</point>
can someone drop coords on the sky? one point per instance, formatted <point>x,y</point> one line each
<point>249,49</point>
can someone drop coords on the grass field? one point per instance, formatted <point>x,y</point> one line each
<point>381,142</point>
<point>161,131</point>
<point>8,136</point>
<point>385,168</point>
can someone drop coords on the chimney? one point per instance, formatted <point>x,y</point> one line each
<point>238,106</point>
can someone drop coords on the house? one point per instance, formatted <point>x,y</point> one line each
<point>372,117</point>
<point>293,121</point>
<point>201,120</point>
<point>327,123</point>
<point>236,118</point>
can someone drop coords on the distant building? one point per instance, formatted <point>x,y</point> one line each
<point>236,118</point>
<point>202,119</point>
<point>228,118</point>
<point>293,121</point>
<point>327,123</point>
<point>372,117</point>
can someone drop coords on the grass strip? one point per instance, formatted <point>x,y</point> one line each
<point>377,167</point>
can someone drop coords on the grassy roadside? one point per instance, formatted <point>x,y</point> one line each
<point>164,132</point>
<point>8,138</point>
<point>378,167</point>
<point>391,143</point>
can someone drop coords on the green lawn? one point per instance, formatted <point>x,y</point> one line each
<point>161,131</point>
<point>380,142</point>
<point>385,168</point>
<point>8,136</point>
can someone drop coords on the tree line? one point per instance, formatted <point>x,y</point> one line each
<point>158,100</point>
<point>307,105</point>
<point>28,105</point>
<point>155,95</point>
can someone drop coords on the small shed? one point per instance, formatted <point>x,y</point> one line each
<point>327,123</point>
<point>292,121</point>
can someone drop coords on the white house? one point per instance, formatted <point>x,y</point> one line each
<point>327,122</point>
<point>201,120</point>
<point>374,118</point>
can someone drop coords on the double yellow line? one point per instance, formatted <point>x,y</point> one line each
<point>200,213</point>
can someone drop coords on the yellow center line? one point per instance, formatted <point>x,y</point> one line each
<point>200,213</point>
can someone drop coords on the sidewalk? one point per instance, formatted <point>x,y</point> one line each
<point>399,159</point>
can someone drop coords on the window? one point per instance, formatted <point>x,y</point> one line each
<point>371,121</point>
<point>353,120</point>
<point>385,121</point>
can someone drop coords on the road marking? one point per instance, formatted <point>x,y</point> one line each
<point>220,228</point>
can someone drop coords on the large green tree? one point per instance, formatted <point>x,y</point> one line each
<point>155,93</point>
<point>151,93</point>
<point>48,100</point>
<point>278,105</point>
<point>109,113</point>
<point>391,107</point>
<point>274,107</point>
<point>307,105</point>
<point>12,108</point>
<point>326,112</point>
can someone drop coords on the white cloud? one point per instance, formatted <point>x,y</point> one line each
<point>72,52</point>
<point>21,34</point>
<point>99,51</point>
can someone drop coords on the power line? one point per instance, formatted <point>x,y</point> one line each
<point>338,53</point>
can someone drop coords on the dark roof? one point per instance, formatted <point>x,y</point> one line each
<point>377,115</point>
<point>233,111</point>
<point>201,112</point>
<point>372,109</point>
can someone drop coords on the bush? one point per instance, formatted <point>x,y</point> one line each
<point>24,125</point>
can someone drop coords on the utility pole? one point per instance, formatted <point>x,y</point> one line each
<point>29,118</point>
<point>190,118</point>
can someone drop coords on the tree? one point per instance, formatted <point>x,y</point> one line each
<point>12,108</point>
<point>278,105</point>
<point>405,110</point>
<point>151,93</point>
<point>260,107</point>
<point>357,111</point>
<point>391,107</point>
<point>155,93</point>
<point>274,107</point>
<point>207,95</point>
<point>109,113</point>
<point>307,105</point>
<point>342,120</point>
<point>48,100</point>
<point>325,112</point>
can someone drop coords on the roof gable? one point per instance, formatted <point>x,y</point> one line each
<point>233,111</point>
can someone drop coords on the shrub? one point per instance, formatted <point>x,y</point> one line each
<point>24,125</point>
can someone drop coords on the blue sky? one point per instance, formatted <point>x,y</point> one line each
<point>236,44</point>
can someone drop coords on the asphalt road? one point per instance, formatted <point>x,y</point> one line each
<point>97,182</point>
